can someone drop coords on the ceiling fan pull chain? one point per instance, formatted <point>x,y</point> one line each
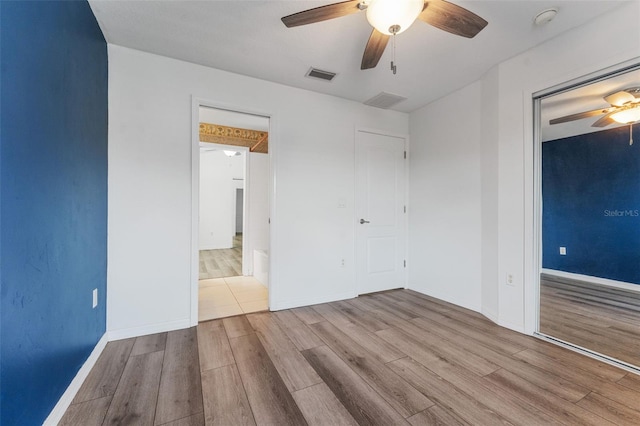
<point>393,66</point>
<point>630,134</point>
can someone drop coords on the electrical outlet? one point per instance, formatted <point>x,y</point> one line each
<point>95,297</point>
<point>563,251</point>
<point>342,263</point>
<point>509,279</point>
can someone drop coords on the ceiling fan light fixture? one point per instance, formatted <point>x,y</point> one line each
<point>627,116</point>
<point>393,16</point>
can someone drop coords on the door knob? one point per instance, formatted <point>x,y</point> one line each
<point>362,221</point>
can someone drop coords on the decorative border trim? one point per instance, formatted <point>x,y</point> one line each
<point>255,140</point>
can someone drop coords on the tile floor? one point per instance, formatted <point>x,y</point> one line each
<point>225,297</point>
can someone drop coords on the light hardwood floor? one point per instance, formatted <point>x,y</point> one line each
<point>396,357</point>
<point>221,263</point>
<point>596,317</point>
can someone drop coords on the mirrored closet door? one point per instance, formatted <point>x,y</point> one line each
<point>589,175</point>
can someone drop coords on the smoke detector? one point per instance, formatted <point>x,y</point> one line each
<point>546,16</point>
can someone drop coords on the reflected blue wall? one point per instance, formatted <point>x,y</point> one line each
<point>591,204</point>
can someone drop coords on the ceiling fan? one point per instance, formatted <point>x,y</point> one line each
<point>391,17</point>
<point>624,109</point>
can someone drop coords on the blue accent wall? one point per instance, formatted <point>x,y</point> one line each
<point>53,200</point>
<point>591,204</point>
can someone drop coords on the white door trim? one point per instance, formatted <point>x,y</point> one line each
<point>196,103</point>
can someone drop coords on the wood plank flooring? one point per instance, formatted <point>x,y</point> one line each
<point>596,317</point>
<point>392,358</point>
<point>221,263</point>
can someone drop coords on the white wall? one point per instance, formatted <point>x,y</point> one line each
<point>471,195</point>
<point>150,180</point>
<point>218,198</point>
<point>489,155</point>
<point>445,199</point>
<point>312,139</point>
<point>258,215</point>
<point>576,53</point>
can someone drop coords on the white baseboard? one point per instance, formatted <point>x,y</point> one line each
<point>148,329</point>
<point>595,280</point>
<point>296,303</point>
<point>65,400</point>
<point>511,326</point>
<point>491,315</point>
<point>445,298</point>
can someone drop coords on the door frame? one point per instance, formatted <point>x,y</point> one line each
<point>405,194</point>
<point>196,103</point>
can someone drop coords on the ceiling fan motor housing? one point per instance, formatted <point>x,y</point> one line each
<point>393,16</point>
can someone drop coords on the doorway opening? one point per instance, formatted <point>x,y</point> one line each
<point>233,213</point>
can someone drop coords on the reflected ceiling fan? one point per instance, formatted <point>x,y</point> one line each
<point>391,17</point>
<point>624,109</point>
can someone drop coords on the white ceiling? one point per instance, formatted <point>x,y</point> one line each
<point>247,37</point>
<point>233,119</point>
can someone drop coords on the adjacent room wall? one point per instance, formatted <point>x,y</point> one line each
<point>258,207</point>
<point>445,225</point>
<point>53,197</point>
<point>312,141</point>
<point>218,198</point>
<point>591,205</point>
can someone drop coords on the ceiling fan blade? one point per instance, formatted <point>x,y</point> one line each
<point>452,18</point>
<point>374,50</point>
<point>321,13</point>
<point>604,121</point>
<point>580,115</point>
<point>620,98</point>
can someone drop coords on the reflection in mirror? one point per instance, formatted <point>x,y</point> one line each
<point>590,217</point>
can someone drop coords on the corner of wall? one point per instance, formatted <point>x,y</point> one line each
<point>67,397</point>
<point>126,333</point>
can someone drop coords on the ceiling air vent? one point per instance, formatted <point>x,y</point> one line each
<point>384,100</point>
<point>320,74</point>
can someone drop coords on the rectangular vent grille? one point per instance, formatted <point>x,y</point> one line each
<point>320,74</point>
<point>384,100</point>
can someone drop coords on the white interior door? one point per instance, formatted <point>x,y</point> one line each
<point>380,212</point>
